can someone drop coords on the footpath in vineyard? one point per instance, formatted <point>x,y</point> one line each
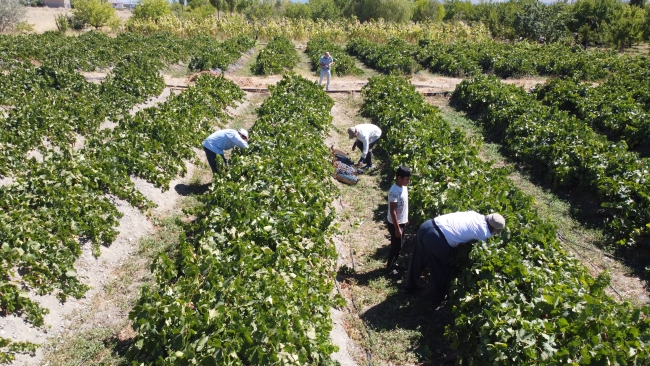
<point>387,326</point>
<point>94,329</point>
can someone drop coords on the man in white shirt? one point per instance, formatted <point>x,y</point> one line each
<point>223,140</point>
<point>398,213</point>
<point>366,136</point>
<point>437,238</point>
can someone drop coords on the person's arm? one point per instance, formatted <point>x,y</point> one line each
<point>365,140</point>
<point>240,142</point>
<point>392,208</point>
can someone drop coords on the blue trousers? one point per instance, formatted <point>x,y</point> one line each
<point>324,72</point>
<point>431,250</point>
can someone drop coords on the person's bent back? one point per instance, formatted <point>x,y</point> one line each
<point>220,141</point>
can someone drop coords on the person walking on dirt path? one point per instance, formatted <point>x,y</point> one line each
<point>326,61</point>
<point>223,140</point>
<point>398,212</point>
<point>366,136</point>
<point>436,240</point>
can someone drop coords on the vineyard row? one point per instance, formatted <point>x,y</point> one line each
<point>518,299</point>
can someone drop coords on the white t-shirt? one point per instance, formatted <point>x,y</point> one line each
<point>368,133</point>
<point>401,196</point>
<point>462,227</point>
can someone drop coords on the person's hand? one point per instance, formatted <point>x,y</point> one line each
<point>398,232</point>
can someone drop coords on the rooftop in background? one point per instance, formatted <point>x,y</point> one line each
<point>56,3</point>
<point>123,4</point>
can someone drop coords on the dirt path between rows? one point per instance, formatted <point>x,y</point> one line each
<point>426,83</point>
<point>386,326</point>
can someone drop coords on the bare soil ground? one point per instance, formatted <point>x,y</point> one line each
<point>118,273</point>
<point>424,84</point>
<point>43,18</point>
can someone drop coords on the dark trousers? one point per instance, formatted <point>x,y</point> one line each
<point>368,159</point>
<point>212,159</point>
<point>431,250</point>
<point>395,244</point>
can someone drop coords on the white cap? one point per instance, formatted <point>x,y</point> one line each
<point>243,132</point>
<point>496,221</point>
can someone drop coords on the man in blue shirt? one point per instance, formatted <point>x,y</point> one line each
<point>325,64</point>
<point>221,141</point>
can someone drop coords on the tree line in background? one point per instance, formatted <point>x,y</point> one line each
<point>586,22</point>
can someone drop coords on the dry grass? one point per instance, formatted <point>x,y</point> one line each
<point>639,49</point>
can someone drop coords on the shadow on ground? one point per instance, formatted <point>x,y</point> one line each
<point>412,312</point>
<point>192,189</point>
<point>415,312</point>
<point>401,310</point>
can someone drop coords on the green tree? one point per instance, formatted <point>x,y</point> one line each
<point>97,13</point>
<point>347,7</point>
<point>324,9</point>
<point>200,9</point>
<point>589,18</point>
<point>428,10</point>
<point>11,12</point>
<point>177,9</point>
<point>626,28</point>
<point>151,9</point>
<point>506,14</point>
<point>220,5</point>
<point>297,11</point>
<point>458,10</point>
<point>646,31</point>
<point>540,21</point>
<point>639,3</point>
<point>257,9</point>
<point>390,10</point>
